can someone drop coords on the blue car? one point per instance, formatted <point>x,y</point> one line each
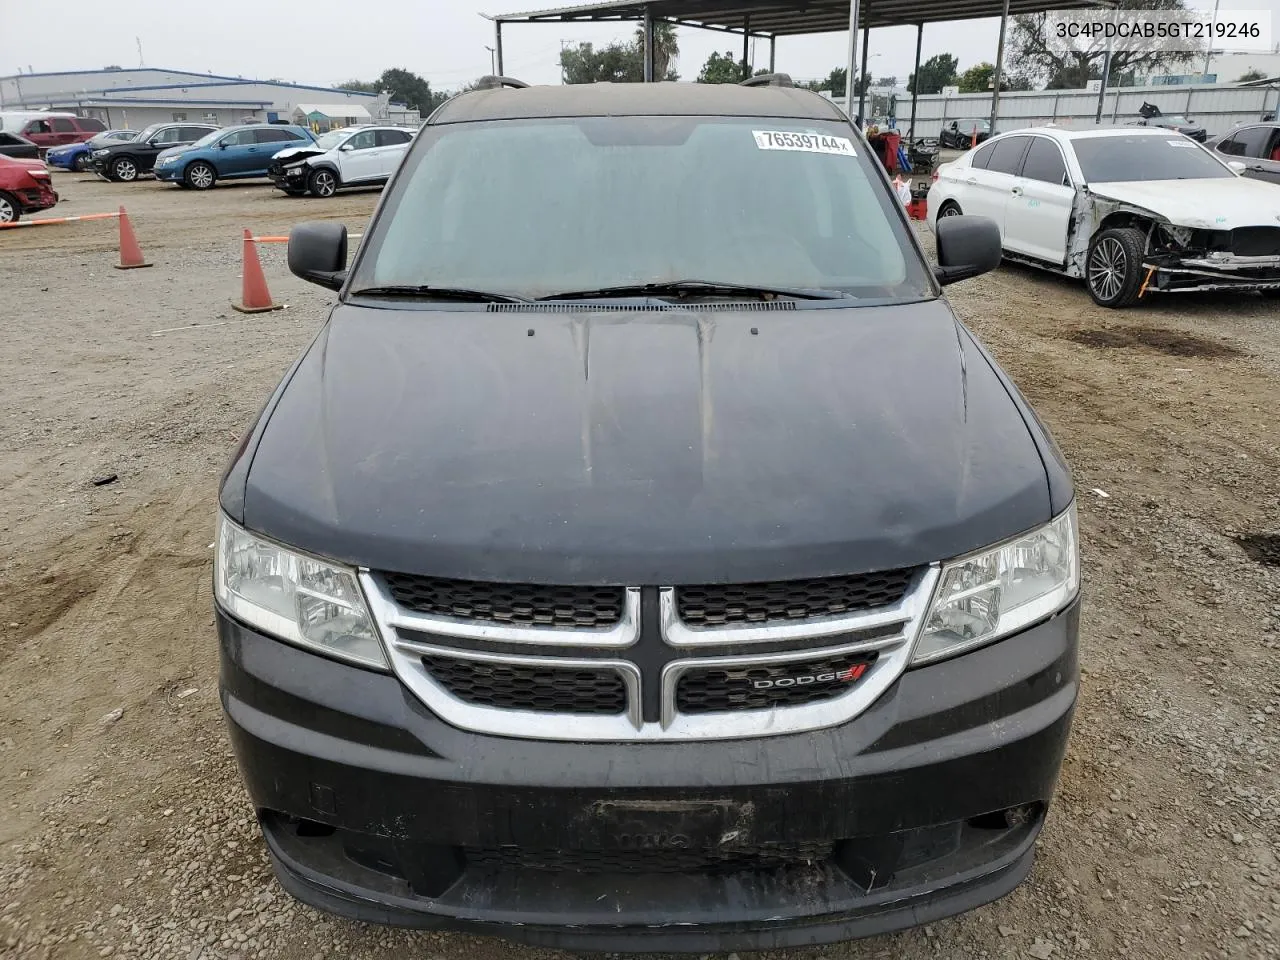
<point>75,156</point>
<point>232,153</point>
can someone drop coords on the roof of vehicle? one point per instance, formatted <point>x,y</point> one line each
<point>637,99</point>
<point>1080,133</point>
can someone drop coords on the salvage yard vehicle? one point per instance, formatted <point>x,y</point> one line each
<point>1150,116</point>
<point>658,571</point>
<point>348,157</point>
<point>48,130</point>
<point>13,145</point>
<point>77,156</point>
<point>960,134</point>
<point>25,187</point>
<point>125,162</point>
<point>232,153</point>
<point>1128,211</point>
<point>1256,145</point>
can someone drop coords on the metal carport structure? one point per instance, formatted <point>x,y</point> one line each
<point>770,19</point>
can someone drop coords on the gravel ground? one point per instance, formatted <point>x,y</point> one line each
<point>128,833</point>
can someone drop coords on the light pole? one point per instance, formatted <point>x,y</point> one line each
<point>1208,53</point>
<point>493,63</point>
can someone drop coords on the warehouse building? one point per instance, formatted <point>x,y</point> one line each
<point>134,98</point>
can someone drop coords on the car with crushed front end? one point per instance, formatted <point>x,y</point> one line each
<point>1131,212</point>
<point>364,156</point>
<point>643,556</point>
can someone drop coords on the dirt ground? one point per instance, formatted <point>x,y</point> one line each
<point>127,832</point>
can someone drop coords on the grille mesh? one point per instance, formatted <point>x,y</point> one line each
<point>713,306</point>
<point>762,856</point>
<point>514,603</point>
<point>723,689</point>
<point>541,689</point>
<point>716,605</point>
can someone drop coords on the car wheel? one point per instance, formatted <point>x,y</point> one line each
<point>81,163</point>
<point>1113,269</point>
<point>125,169</point>
<point>9,209</point>
<point>200,175</point>
<point>949,209</point>
<point>323,183</point>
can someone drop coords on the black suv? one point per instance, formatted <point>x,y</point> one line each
<point>643,556</point>
<point>129,160</point>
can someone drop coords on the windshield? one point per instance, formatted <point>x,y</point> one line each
<point>148,132</point>
<point>1125,159</point>
<point>331,139</point>
<point>545,207</point>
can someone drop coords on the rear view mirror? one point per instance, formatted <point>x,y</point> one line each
<point>318,253</point>
<point>968,246</point>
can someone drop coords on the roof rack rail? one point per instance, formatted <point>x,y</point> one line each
<point>768,80</point>
<point>495,83</point>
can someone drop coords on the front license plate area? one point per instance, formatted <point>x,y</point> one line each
<point>663,825</point>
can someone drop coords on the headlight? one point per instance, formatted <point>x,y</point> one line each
<point>1000,591</point>
<point>168,160</point>
<point>101,153</point>
<point>294,172</point>
<point>299,599</point>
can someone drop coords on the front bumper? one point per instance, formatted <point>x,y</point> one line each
<point>41,198</point>
<point>288,178</point>
<point>1213,272</point>
<point>168,173</point>
<point>63,161</point>
<point>928,804</point>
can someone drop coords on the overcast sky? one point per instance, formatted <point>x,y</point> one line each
<point>323,42</point>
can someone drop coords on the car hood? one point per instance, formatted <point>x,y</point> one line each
<point>644,448</point>
<point>294,154</point>
<point>1223,203</point>
<point>173,152</point>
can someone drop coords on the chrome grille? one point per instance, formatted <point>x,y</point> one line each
<point>562,677</point>
<point>517,603</point>
<point>715,605</point>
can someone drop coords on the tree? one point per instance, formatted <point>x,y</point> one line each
<point>1251,74</point>
<point>358,86</point>
<point>835,83</point>
<point>935,73</point>
<point>621,62</point>
<point>977,79</point>
<point>721,68</point>
<point>1070,65</point>
<point>407,87</point>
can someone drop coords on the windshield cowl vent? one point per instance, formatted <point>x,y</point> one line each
<point>754,306</point>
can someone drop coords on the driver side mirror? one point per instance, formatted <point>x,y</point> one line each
<point>1237,166</point>
<point>968,246</point>
<point>346,148</point>
<point>318,253</point>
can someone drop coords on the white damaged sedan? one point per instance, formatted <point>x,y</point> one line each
<point>1130,211</point>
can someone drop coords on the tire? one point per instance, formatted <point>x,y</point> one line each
<point>124,169</point>
<point>200,176</point>
<point>81,163</point>
<point>9,209</point>
<point>1113,268</point>
<point>322,183</point>
<point>949,209</point>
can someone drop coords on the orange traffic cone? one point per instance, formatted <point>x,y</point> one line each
<point>130,253</point>
<point>254,294</point>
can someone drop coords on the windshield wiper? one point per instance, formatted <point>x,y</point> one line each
<point>425,291</point>
<point>702,288</point>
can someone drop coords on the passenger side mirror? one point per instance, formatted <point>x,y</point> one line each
<point>1237,166</point>
<point>968,246</point>
<point>318,253</point>
<point>346,148</point>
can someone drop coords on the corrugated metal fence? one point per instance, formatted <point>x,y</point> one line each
<point>1216,107</point>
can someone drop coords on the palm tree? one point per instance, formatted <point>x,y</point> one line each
<point>666,48</point>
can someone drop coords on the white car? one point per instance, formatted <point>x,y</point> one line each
<point>1131,211</point>
<point>361,156</point>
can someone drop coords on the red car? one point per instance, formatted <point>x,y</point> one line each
<point>55,129</point>
<point>25,187</point>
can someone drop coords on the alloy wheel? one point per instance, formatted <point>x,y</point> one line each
<point>8,212</point>
<point>125,170</point>
<point>200,176</point>
<point>950,210</point>
<point>1107,268</point>
<point>325,184</point>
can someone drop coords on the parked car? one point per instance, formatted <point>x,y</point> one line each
<point>76,156</point>
<point>233,153</point>
<point>128,161</point>
<point>1150,116</point>
<point>1129,211</point>
<point>628,566</point>
<point>1256,145</point>
<point>25,187</point>
<point>960,134</point>
<point>348,157</point>
<point>13,145</point>
<point>48,130</point>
